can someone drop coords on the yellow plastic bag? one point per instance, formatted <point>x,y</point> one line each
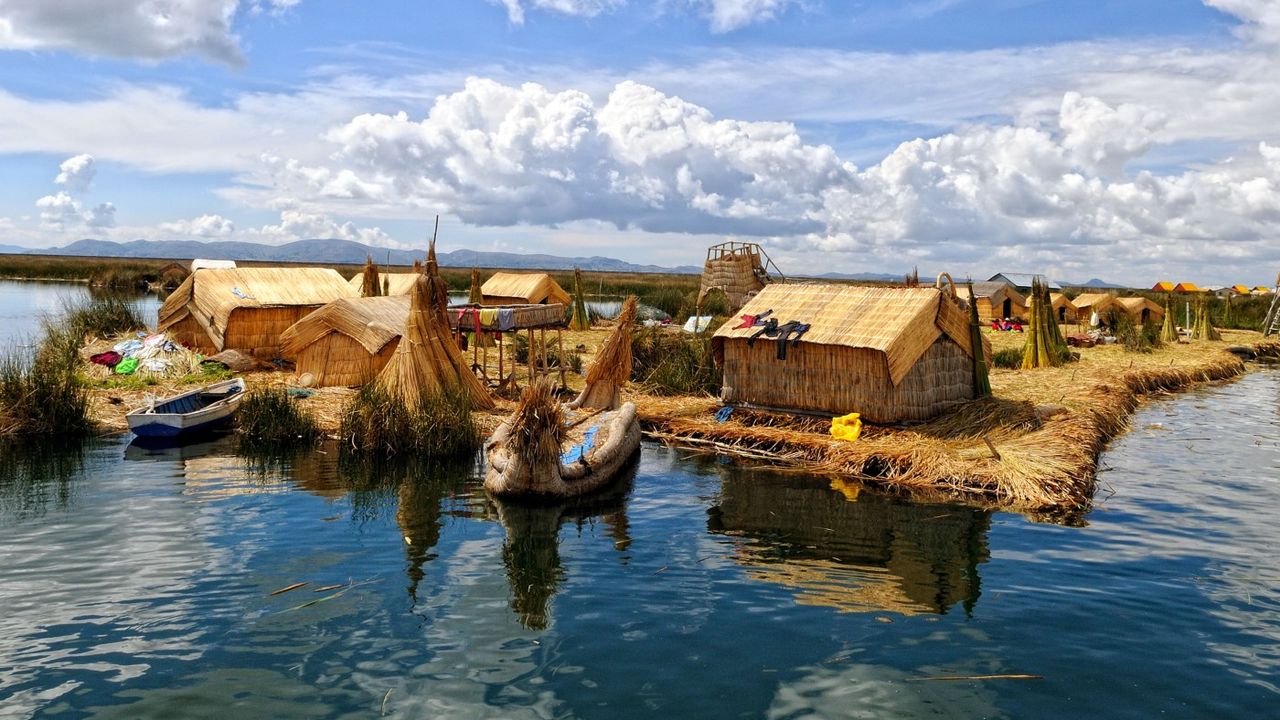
<point>847,428</point>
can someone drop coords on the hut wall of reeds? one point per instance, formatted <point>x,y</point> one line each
<point>891,354</point>
<point>246,309</point>
<point>348,341</point>
<point>395,283</point>
<point>1099,303</point>
<point>504,288</point>
<point>998,300</point>
<point>1141,310</point>
<point>1064,311</point>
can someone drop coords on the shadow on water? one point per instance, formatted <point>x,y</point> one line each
<point>851,550</point>
<point>531,551</point>
<point>37,474</point>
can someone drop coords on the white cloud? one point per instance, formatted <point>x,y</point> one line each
<point>298,224</point>
<point>62,212</point>
<point>205,226</point>
<point>580,8</point>
<point>76,173</point>
<point>729,15</point>
<point>101,216</point>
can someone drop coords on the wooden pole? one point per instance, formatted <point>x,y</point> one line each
<point>532,349</point>
<point>542,351</point>
<point>560,349</point>
<point>501,375</point>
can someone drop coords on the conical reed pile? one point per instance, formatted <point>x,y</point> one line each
<point>427,362</point>
<point>612,366</point>
<point>1169,328</point>
<point>1204,329</point>
<point>1045,346</point>
<point>369,285</point>
<point>537,426</point>
<point>981,382</point>
<point>439,288</point>
<point>475,297</point>
<point>580,320</point>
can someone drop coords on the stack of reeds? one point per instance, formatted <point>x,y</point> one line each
<point>369,286</point>
<point>537,430</point>
<point>734,274</point>
<point>981,381</point>
<point>1203,328</point>
<point>1169,327</point>
<point>475,297</point>
<point>439,289</point>
<point>580,320</point>
<point>612,366</point>
<point>427,362</point>
<point>1045,346</point>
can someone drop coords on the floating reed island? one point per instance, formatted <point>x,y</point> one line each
<point>378,361</point>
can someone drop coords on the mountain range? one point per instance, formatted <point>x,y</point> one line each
<point>332,251</point>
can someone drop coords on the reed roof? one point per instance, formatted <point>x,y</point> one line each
<point>212,294</point>
<point>1060,300</point>
<point>996,291</point>
<point>533,288</point>
<point>902,323</point>
<point>1094,301</point>
<point>371,321</point>
<point>1135,306</point>
<point>397,283</point>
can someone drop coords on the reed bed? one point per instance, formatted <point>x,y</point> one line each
<point>41,394</point>
<point>441,425</point>
<point>270,417</point>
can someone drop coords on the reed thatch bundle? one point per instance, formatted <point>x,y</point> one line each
<point>612,366</point>
<point>1169,327</point>
<point>369,285</point>
<point>417,266</point>
<point>427,362</point>
<point>981,381</point>
<point>439,288</point>
<point>537,430</point>
<point>580,320</point>
<point>476,297</point>
<point>1045,346</point>
<point>1204,329</point>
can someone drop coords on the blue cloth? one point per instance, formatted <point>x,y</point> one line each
<point>723,413</point>
<point>579,451</point>
<point>506,319</point>
<point>128,348</point>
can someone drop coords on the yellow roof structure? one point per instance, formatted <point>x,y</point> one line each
<point>1163,286</point>
<point>1242,289</point>
<point>1060,300</point>
<point>529,288</point>
<point>1262,290</point>
<point>371,321</point>
<point>210,295</point>
<point>397,283</point>
<point>902,323</point>
<point>1187,287</point>
<point>1094,302</point>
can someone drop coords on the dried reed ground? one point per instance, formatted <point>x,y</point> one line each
<point>1045,466</point>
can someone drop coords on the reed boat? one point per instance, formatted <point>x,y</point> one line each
<point>549,450</point>
<point>190,413</point>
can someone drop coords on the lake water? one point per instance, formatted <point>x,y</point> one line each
<point>137,584</point>
<point>24,304</point>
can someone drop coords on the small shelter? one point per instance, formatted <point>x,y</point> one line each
<point>1163,286</point>
<point>348,341</point>
<point>1242,289</point>
<point>246,309</point>
<point>505,288</point>
<point>1022,281</point>
<point>1187,287</point>
<point>395,283</point>
<point>890,354</point>
<point>1141,310</point>
<point>997,301</point>
<point>1262,290</point>
<point>1064,311</point>
<point>1099,303</point>
<point>737,269</point>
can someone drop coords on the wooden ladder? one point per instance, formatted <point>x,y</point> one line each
<point>1271,325</point>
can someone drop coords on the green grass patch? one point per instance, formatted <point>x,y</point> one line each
<point>41,393</point>
<point>102,316</point>
<point>1008,358</point>
<point>271,417</point>
<point>376,422</point>
<point>673,363</point>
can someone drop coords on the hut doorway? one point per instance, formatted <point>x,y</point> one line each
<point>1007,308</point>
<point>1062,314</point>
<point>1146,315</point>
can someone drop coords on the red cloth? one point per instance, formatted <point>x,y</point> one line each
<point>109,359</point>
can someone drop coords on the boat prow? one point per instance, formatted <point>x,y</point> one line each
<point>190,413</point>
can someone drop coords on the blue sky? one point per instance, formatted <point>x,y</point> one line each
<point>1129,139</point>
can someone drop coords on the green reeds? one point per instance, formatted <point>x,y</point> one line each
<point>1045,346</point>
<point>102,317</point>
<point>376,421</point>
<point>981,382</point>
<point>1008,358</point>
<point>580,320</point>
<point>270,417</point>
<point>673,363</point>
<point>1134,338</point>
<point>41,394</point>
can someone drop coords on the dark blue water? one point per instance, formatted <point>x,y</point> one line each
<point>137,584</point>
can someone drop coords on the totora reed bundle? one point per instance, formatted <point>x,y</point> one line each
<point>612,366</point>
<point>475,297</point>
<point>369,285</point>
<point>537,430</point>
<point>1045,346</point>
<point>427,362</point>
<point>1203,328</point>
<point>580,320</point>
<point>1168,328</point>
<point>981,381</point>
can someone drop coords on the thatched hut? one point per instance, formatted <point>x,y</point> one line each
<point>246,309</point>
<point>348,341</point>
<point>998,300</point>
<point>395,283</point>
<point>891,354</point>
<point>1099,303</point>
<point>1141,310</point>
<point>737,269</point>
<point>505,288</point>
<point>1064,310</point>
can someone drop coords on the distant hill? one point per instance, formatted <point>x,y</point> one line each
<point>12,250</point>
<point>881,277</point>
<point>335,251</point>
<point>1096,283</point>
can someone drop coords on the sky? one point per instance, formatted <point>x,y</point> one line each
<point>1132,140</point>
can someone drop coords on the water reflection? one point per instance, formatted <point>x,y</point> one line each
<point>35,475</point>
<point>855,552</point>
<point>531,551</point>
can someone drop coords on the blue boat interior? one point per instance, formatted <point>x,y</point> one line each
<point>192,403</point>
